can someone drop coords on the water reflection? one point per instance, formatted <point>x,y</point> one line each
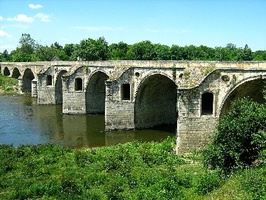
<point>22,121</point>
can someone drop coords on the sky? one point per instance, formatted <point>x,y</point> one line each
<point>213,23</point>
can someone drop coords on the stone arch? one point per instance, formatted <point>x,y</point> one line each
<point>15,73</point>
<point>28,76</point>
<point>251,87</point>
<point>155,102</point>
<point>6,72</point>
<point>59,87</point>
<point>95,93</point>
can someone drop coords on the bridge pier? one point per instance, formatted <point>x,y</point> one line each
<point>142,94</point>
<point>20,85</point>
<point>34,90</point>
<point>119,111</point>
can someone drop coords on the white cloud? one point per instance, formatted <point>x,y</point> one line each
<point>37,6</point>
<point>1,18</point>
<point>43,17</point>
<point>21,18</point>
<point>4,34</point>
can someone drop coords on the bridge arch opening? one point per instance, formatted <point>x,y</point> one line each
<point>155,103</point>
<point>6,72</point>
<point>16,73</point>
<point>95,93</point>
<point>251,88</point>
<point>27,80</point>
<point>59,87</point>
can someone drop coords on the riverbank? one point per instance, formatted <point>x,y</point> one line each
<point>130,171</point>
<point>8,85</point>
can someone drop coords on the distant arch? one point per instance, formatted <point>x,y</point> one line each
<point>251,87</point>
<point>59,87</point>
<point>95,93</point>
<point>27,79</point>
<point>155,102</point>
<point>6,72</point>
<point>16,73</point>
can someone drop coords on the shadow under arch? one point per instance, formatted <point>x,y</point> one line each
<point>27,78</point>
<point>59,87</point>
<point>15,73</point>
<point>251,87</point>
<point>95,93</point>
<point>6,71</point>
<point>155,102</point>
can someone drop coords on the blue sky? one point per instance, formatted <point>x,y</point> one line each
<point>182,22</point>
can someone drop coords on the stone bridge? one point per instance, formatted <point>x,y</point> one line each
<point>143,94</point>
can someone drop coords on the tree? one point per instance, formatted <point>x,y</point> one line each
<point>176,52</point>
<point>141,51</point>
<point>118,51</point>
<point>162,52</point>
<point>240,137</point>
<point>69,51</point>
<point>26,49</point>
<point>27,44</point>
<point>4,57</point>
<point>244,54</point>
<point>90,49</point>
<point>259,55</point>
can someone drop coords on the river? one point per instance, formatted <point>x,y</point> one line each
<point>24,122</point>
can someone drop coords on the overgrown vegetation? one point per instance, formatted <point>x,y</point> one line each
<point>7,84</point>
<point>129,171</point>
<point>240,140</point>
<point>99,49</point>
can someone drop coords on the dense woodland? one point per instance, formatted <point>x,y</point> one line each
<point>99,49</point>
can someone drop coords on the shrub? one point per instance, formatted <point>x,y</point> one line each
<point>238,139</point>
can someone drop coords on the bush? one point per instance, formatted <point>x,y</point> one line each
<point>240,137</point>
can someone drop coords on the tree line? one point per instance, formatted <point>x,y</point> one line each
<point>99,49</point>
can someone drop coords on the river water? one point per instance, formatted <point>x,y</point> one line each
<point>23,122</point>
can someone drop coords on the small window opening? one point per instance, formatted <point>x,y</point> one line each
<point>126,91</point>
<point>78,84</point>
<point>207,103</point>
<point>49,80</point>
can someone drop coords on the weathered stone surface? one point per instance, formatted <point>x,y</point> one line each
<point>141,94</point>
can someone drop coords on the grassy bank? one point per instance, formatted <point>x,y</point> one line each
<point>129,171</point>
<point>7,84</point>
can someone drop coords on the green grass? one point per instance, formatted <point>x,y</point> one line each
<point>129,171</point>
<point>7,84</point>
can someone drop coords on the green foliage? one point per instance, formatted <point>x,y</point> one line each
<point>240,137</point>
<point>91,49</point>
<point>129,171</point>
<point>7,84</point>
<point>208,182</point>
<point>254,181</point>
